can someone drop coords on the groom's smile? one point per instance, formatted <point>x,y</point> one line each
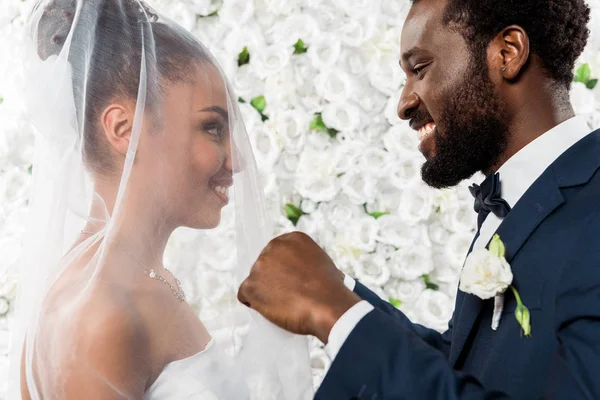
<point>449,98</point>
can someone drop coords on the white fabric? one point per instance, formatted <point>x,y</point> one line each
<point>207,375</point>
<point>139,139</point>
<point>516,175</point>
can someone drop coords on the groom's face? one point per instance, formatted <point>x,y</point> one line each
<point>449,98</point>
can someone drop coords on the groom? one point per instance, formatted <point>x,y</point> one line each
<point>488,90</point>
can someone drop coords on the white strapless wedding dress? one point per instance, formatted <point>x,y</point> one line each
<point>208,375</point>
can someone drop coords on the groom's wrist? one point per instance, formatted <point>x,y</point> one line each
<point>327,315</point>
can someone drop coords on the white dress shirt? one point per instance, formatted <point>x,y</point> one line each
<point>517,175</point>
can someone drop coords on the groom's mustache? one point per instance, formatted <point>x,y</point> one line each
<point>419,119</point>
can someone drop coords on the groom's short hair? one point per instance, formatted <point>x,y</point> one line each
<point>557,29</point>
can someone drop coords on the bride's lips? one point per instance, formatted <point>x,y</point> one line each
<point>222,192</point>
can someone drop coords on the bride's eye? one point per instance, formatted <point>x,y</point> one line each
<point>214,128</point>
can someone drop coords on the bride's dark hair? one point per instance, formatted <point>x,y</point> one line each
<point>106,58</point>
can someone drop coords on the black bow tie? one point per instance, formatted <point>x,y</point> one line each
<point>488,199</point>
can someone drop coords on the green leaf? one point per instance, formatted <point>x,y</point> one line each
<point>293,213</point>
<point>1,100</point>
<point>300,47</point>
<point>214,13</point>
<point>522,314</point>
<point>317,124</point>
<point>240,100</point>
<point>259,103</point>
<point>243,57</point>
<point>591,83</point>
<point>583,74</point>
<point>429,284</point>
<point>378,214</point>
<point>395,302</point>
<point>497,247</point>
<point>30,169</point>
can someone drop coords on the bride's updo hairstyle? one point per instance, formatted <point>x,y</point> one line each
<point>105,69</point>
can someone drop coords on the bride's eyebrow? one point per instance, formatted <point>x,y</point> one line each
<point>219,110</point>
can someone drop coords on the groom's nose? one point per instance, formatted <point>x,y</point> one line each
<point>408,104</point>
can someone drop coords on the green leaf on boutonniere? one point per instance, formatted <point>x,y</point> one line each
<point>317,124</point>
<point>583,74</point>
<point>522,315</point>
<point>429,284</point>
<point>395,302</point>
<point>497,247</point>
<point>243,57</point>
<point>300,47</point>
<point>591,83</point>
<point>293,213</point>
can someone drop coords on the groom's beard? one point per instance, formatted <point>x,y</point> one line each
<point>472,131</point>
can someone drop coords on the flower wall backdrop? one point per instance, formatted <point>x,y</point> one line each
<point>318,82</point>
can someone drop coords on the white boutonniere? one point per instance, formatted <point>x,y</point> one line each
<point>487,274</point>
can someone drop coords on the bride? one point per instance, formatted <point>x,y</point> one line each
<point>138,134</point>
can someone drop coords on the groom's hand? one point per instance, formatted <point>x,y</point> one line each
<point>295,285</point>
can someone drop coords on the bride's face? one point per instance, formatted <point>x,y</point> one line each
<point>185,154</point>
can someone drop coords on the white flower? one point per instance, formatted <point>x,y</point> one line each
<point>316,178</point>
<point>386,77</point>
<point>342,117</point>
<point>583,99</point>
<point>394,231</point>
<point>406,291</point>
<point>265,145</point>
<point>293,28</point>
<point>485,275</point>
<point>416,204</point>
<point>372,270</point>
<point>325,51</point>
<point>358,186</point>
<point>411,262</point>
<point>374,161</point>
<point>363,233</point>
<point>236,12</point>
<point>391,114</point>
<point>335,85</point>
<point>457,246</point>
<point>434,309</point>
<point>406,173</point>
<point>358,8</point>
<point>271,59</point>
<point>247,84</point>
<point>354,32</point>
<point>292,127</point>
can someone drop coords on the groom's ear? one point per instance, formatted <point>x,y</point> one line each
<point>117,123</point>
<point>510,52</point>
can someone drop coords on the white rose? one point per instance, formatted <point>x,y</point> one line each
<point>236,12</point>
<point>210,30</point>
<point>292,126</point>
<point>325,51</point>
<point>246,83</point>
<point>583,99</point>
<point>372,270</point>
<point>391,114</point>
<point>394,231</point>
<point>406,173</point>
<point>438,234</point>
<point>354,32</point>
<point>293,28</point>
<point>316,178</point>
<point>363,233</point>
<point>386,76</point>
<point>341,212</point>
<point>372,102</point>
<point>288,7</point>
<point>266,146</point>
<point>434,309</point>
<point>335,85</point>
<point>416,204</point>
<point>342,117</point>
<point>271,59</point>
<point>251,117</point>
<point>411,262</point>
<point>485,275</point>
<point>358,186</point>
<point>375,161</point>
<point>406,291</point>
<point>358,8</point>
<point>457,247</point>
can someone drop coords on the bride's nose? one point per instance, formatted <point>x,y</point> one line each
<point>235,161</point>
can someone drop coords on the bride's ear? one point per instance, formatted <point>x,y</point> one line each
<point>117,122</point>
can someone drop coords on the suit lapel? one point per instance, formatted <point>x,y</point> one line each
<point>575,167</point>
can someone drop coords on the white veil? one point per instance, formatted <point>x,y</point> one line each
<point>139,139</point>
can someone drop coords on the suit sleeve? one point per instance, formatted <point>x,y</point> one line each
<point>432,337</point>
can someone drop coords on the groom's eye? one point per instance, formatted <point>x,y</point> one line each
<point>419,70</point>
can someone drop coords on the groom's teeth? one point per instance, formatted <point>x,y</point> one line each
<point>426,130</point>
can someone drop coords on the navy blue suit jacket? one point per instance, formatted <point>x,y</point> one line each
<point>552,238</point>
